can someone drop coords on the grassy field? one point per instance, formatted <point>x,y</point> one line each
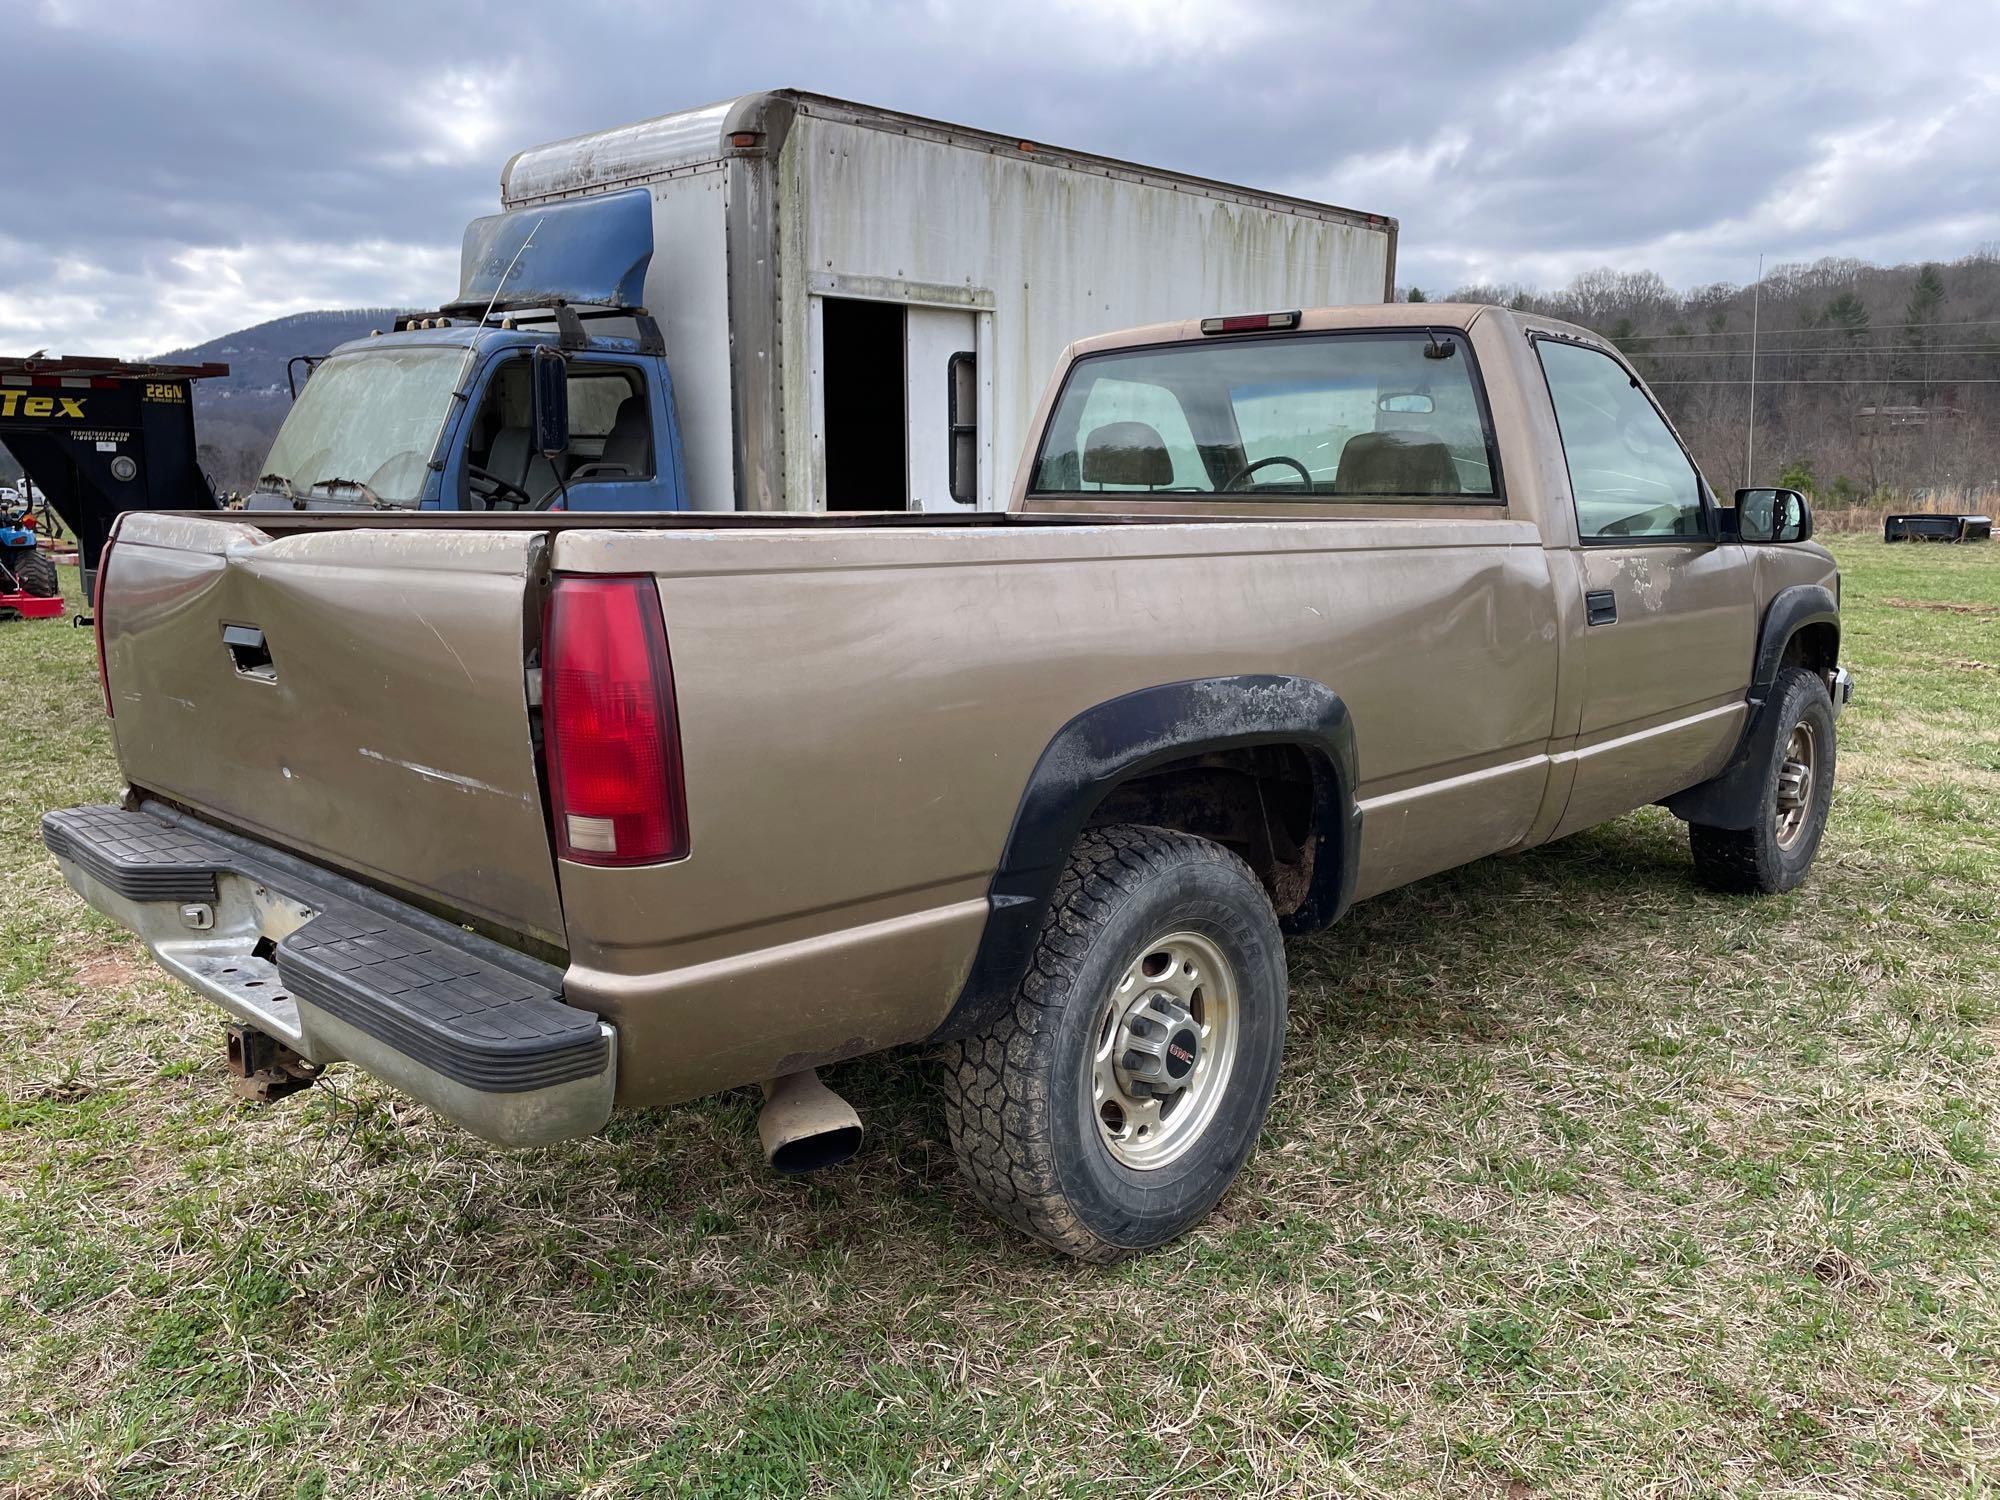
<point>1580,1180</point>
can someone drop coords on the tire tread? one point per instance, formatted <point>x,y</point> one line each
<point>996,1095</point>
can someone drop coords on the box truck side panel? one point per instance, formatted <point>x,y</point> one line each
<point>1051,253</point>
<point>687,290</point>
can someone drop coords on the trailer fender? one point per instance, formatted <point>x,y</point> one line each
<point>1125,737</point>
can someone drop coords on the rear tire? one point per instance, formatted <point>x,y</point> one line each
<point>36,573</point>
<point>1775,852</point>
<point>1112,1105</point>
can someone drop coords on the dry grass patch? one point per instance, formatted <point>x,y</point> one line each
<point>1580,1180</point>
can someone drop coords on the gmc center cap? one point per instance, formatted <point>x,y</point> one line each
<point>1183,1047</point>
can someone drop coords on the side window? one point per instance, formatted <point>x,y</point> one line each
<point>610,424</point>
<point>1630,478</point>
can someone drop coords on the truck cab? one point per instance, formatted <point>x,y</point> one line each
<point>444,412</point>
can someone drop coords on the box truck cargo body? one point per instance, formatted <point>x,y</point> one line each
<point>860,307</point>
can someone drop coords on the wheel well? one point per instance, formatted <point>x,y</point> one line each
<point>1262,801</point>
<point>1815,647</point>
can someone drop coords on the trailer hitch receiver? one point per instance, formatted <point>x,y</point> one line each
<point>266,1069</point>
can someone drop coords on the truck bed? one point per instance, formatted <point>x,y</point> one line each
<point>860,701</point>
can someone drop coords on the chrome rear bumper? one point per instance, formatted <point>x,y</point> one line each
<point>337,971</point>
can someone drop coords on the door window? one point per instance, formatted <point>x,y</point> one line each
<point>610,426</point>
<point>1627,472</point>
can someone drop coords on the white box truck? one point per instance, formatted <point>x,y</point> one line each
<point>824,305</point>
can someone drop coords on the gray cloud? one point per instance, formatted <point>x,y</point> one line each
<point>199,165</point>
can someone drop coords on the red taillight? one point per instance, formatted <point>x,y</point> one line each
<point>97,626</point>
<point>1251,323</point>
<point>614,743</point>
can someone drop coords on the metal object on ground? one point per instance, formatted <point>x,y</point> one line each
<point>1937,528</point>
<point>266,1069</point>
<point>805,1125</point>
<point>1166,1044</point>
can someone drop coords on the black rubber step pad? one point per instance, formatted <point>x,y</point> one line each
<point>139,857</point>
<point>472,1021</point>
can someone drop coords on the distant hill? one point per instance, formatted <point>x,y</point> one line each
<point>237,416</point>
<point>256,356</point>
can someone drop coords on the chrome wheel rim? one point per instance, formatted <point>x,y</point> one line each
<point>1791,806</point>
<point>1164,1046</point>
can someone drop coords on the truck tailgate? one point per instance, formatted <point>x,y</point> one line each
<point>357,695</point>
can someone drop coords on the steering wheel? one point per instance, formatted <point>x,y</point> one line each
<point>500,486</point>
<point>1276,458</point>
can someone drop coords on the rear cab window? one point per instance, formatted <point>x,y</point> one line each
<point>1344,416</point>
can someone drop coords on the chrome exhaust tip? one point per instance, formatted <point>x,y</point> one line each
<point>805,1125</point>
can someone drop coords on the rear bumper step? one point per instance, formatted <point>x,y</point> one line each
<point>339,972</point>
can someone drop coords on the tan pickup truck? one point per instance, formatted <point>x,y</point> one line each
<point>538,816</point>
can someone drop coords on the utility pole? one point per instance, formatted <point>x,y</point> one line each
<point>1750,443</point>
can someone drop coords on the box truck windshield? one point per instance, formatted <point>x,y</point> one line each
<point>366,424</point>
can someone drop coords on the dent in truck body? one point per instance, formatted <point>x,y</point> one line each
<point>391,736</point>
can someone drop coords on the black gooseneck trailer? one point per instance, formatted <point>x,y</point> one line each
<point>102,436</point>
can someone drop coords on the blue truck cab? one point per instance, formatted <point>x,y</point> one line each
<point>542,386</point>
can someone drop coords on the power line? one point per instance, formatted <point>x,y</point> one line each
<point>1902,349</point>
<point>1823,328</point>
<point>1855,380</point>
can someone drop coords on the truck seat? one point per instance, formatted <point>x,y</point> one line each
<point>513,458</point>
<point>1131,453</point>
<point>629,443</point>
<point>1396,462</point>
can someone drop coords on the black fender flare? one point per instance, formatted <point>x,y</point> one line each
<point>1731,799</point>
<point>1124,737</point>
<point>1791,610</point>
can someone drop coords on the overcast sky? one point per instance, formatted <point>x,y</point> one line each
<point>175,170</point>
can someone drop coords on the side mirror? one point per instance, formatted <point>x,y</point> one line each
<point>1773,516</point>
<point>551,403</point>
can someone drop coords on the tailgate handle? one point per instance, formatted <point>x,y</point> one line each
<point>1600,607</point>
<point>248,653</point>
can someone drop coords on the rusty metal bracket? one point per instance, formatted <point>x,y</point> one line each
<point>265,1069</point>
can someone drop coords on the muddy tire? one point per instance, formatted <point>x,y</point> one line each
<point>1796,790</point>
<point>36,573</point>
<point>1114,1103</point>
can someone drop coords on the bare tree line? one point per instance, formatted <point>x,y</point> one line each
<point>1873,384</point>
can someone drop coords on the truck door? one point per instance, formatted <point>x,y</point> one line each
<point>623,452</point>
<point>941,377</point>
<point>1669,609</point>
<point>898,399</point>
